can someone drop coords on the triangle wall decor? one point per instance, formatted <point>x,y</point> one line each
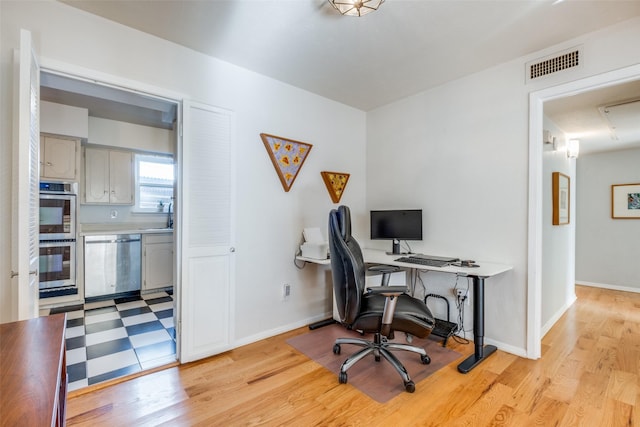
<point>336,183</point>
<point>287,157</point>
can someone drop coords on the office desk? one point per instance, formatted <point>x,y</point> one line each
<point>478,275</point>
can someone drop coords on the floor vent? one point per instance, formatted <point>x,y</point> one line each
<point>569,59</point>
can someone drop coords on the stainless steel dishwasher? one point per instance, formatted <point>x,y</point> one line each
<point>111,264</point>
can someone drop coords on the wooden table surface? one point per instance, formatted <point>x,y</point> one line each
<point>31,371</point>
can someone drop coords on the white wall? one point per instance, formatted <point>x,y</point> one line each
<point>607,250</point>
<point>269,221</point>
<point>461,162</point>
<point>558,241</point>
<point>460,152</point>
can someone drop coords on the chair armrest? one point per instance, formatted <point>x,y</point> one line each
<point>382,268</point>
<point>388,291</point>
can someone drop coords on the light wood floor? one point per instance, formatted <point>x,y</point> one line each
<point>587,376</point>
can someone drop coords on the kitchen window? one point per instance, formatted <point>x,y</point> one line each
<point>154,182</point>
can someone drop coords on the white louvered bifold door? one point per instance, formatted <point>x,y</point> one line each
<point>206,231</point>
<point>25,217</point>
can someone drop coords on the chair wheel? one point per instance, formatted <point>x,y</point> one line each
<point>425,359</point>
<point>342,377</point>
<point>336,349</point>
<point>409,386</point>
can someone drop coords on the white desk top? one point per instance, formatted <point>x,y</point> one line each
<point>377,256</point>
<point>485,269</point>
<point>325,261</point>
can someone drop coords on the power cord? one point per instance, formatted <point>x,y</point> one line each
<point>414,279</point>
<point>299,267</point>
<point>461,297</point>
<point>418,278</point>
<point>295,260</point>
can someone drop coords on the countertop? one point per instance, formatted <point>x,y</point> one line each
<point>99,229</point>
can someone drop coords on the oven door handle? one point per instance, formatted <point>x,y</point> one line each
<point>118,240</point>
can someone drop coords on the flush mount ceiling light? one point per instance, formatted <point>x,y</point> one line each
<point>356,7</point>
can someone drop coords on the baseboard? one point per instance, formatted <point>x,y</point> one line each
<point>552,321</point>
<point>517,351</point>
<point>279,330</point>
<point>508,348</point>
<point>608,286</point>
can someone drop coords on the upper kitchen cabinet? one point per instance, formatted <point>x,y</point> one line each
<point>59,157</point>
<point>108,176</point>
<point>62,127</point>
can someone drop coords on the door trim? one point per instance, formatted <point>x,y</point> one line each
<point>97,77</point>
<point>536,192</point>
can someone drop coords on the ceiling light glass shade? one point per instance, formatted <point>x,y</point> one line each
<point>573,148</point>
<point>356,7</point>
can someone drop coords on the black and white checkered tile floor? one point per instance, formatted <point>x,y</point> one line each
<point>114,338</point>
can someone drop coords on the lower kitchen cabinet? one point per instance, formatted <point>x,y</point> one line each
<point>157,261</point>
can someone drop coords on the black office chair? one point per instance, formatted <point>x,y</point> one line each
<point>380,310</point>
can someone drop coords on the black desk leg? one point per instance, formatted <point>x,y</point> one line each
<point>481,351</point>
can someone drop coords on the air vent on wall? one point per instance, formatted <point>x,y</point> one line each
<point>569,59</point>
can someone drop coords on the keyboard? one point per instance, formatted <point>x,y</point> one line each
<point>424,261</point>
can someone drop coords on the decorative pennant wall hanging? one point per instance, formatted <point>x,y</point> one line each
<point>336,183</point>
<point>287,157</point>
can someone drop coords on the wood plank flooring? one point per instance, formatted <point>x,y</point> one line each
<point>587,376</point>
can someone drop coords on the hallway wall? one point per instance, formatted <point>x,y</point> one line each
<point>607,249</point>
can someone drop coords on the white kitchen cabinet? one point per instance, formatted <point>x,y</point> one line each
<point>121,177</point>
<point>157,261</point>
<point>59,157</point>
<point>108,176</point>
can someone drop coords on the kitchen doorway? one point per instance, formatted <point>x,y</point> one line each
<point>128,332</point>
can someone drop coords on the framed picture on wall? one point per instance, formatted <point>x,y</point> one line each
<point>625,201</point>
<point>561,201</point>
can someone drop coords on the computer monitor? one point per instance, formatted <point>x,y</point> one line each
<point>396,225</point>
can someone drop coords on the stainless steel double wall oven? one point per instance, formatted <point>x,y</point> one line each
<point>58,239</point>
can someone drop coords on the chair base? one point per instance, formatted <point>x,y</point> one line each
<point>380,346</point>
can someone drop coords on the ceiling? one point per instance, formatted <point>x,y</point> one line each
<point>108,102</point>
<point>584,117</point>
<point>405,47</point>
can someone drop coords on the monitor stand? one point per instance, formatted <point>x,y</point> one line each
<point>396,248</point>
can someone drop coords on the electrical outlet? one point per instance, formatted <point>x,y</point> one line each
<point>462,295</point>
<point>286,291</point>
